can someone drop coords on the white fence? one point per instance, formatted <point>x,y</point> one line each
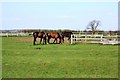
<point>95,38</point>
<point>15,34</point>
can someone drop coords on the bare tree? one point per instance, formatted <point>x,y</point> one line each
<point>93,26</point>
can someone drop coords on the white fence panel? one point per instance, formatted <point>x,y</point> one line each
<point>100,38</point>
<point>14,34</point>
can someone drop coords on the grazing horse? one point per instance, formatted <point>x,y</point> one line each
<point>40,35</point>
<point>54,35</point>
<point>66,34</point>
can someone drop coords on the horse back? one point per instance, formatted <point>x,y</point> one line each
<point>39,34</point>
<point>66,34</point>
<point>53,34</point>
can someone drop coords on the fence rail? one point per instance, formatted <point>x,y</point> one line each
<point>15,34</point>
<point>98,38</point>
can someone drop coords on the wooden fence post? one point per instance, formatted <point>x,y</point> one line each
<point>71,39</point>
<point>7,34</point>
<point>85,36</point>
<point>101,38</point>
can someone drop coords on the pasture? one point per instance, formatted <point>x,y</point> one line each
<point>21,59</point>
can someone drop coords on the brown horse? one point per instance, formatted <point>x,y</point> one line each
<point>54,35</point>
<point>66,34</point>
<point>40,35</point>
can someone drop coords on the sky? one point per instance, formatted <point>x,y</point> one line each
<point>58,15</point>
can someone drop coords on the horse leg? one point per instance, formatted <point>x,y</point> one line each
<point>59,39</point>
<point>48,40</point>
<point>44,40</point>
<point>40,40</point>
<point>69,39</point>
<point>63,39</point>
<point>55,40</point>
<point>34,40</point>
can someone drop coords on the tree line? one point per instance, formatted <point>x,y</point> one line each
<point>60,31</point>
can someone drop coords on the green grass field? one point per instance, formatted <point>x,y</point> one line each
<point>82,60</point>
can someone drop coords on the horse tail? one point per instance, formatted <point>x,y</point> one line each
<point>35,35</point>
<point>44,36</point>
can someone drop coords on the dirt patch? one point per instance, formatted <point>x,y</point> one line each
<point>31,39</point>
<point>24,39</point>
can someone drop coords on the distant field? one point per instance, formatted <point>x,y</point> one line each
<point>21,59</point>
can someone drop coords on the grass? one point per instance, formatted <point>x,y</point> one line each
<point>81,60</point>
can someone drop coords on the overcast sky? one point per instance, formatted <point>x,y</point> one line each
<point>58,15</point>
